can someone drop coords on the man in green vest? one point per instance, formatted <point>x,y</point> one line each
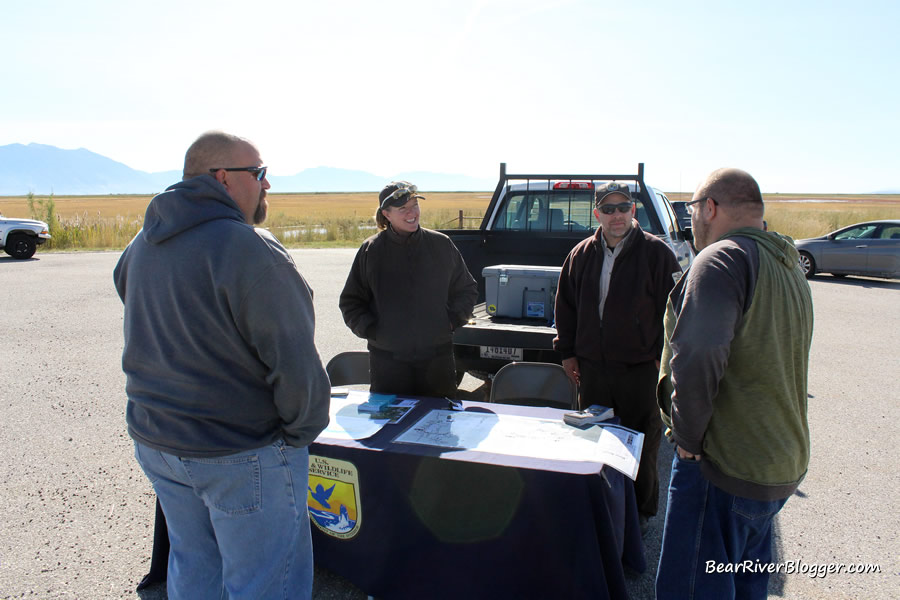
<point>733,393</point>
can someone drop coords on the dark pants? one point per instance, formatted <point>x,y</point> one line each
<point>631,391</point>
<point>434,376</point>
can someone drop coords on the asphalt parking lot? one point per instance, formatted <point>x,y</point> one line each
<point>76,512</point>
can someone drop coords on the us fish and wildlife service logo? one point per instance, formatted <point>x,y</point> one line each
<point>333,496</point>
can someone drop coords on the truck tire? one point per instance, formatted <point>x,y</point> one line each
<point>20,246</point>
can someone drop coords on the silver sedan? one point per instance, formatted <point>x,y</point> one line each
<point>870,249</point>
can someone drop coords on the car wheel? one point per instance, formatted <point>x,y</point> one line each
<point>807,265</point>
<point>20,246</point>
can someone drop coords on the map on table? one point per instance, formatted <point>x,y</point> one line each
<point>513,435</point>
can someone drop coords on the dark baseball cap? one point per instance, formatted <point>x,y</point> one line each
<point>611,188</point>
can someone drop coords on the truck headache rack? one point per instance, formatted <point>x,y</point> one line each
<point>531,224</point>
<point>556,202</point>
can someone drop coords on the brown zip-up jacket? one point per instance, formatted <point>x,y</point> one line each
<point>632,327</point>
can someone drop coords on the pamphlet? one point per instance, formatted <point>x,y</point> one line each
<point>621,448</point>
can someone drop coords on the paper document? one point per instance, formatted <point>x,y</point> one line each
<point>347,422</point>
<point>515,435</point>
<point>621,448</point>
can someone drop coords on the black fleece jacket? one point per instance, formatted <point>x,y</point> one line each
<point>406,294</point>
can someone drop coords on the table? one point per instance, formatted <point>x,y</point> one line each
<point>427,522</point>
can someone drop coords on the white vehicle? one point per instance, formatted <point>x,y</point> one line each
<point>20,237</point>
<point>566,207</point>
<point>535,220</point>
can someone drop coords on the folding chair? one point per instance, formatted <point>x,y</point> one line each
<point>534,384</point>
<point>349,368</point>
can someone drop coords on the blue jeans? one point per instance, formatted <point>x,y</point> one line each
<point>238,524</point>
<point>713,542</point>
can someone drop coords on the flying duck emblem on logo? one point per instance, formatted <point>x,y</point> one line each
<point>333,496</point>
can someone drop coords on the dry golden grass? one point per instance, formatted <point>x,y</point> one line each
<point>104,207</point>
<point>293,206</point>
<point>811,215</point>
<point>363,205</point>
<point>345,219</point>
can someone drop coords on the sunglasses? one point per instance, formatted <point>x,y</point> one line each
<point>400,192</point>
<point>258,172</point>
<point>608,209</point>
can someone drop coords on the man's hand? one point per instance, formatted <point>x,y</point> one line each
<point>685,455</point>
<point>571,367</point>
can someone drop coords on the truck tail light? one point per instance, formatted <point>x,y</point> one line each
<point>573,185</point>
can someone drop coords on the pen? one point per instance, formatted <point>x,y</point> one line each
<point>454,404</point>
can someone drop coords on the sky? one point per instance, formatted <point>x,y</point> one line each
<point>804,95</point>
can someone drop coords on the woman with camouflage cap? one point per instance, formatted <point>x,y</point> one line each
<point>407,290</point>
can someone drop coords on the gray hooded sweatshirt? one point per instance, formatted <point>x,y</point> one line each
<point>219,331</point>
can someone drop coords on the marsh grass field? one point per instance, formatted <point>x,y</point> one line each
<point>345,219</point>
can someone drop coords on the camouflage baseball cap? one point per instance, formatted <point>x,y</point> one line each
<point>397,193</point>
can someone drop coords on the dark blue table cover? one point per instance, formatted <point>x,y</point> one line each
<point>443,523</point>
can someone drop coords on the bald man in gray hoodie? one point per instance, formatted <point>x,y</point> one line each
<point>225,386</point>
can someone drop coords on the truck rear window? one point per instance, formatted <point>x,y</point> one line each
<point>555,210</point>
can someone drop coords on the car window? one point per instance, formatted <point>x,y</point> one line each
<point>856,233</point>
<point>643,218</point>
<point>511,217</point>
<point>890,232</point>
<point>560,210</point>
<point>668,216</point>
<point>563,210</point>
<point>576,208</point>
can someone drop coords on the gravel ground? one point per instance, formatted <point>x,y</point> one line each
<point>76,513</point>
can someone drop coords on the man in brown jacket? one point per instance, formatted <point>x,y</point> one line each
<point>609,317</point>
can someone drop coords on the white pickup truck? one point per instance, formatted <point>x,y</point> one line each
<point>20,237</point>
<point>535,220</point>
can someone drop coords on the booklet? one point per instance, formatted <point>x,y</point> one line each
<point>377,402</point>
<point>392,413</point>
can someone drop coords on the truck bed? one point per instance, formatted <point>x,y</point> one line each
<point>500,337</point>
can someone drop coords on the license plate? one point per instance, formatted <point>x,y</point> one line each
<point>501,352</point>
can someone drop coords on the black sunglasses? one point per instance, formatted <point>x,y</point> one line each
<point>258,172</point>
<point>608,209</point>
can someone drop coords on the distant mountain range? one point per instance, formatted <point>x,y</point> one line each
<point>43,169</point>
